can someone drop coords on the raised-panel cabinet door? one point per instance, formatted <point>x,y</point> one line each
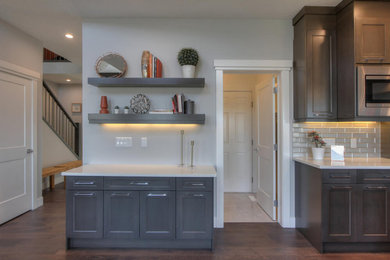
<point>338,212</point>
<point>121,214</point>
<point>84,214</point>
<point>157,214</point>
<point>194,215</point>
<point>321,74</point>
<point>372,40</point>
<point>373,213</point>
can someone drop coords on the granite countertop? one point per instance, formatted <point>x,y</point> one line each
<point>349,163</point>
<point>133,170</point>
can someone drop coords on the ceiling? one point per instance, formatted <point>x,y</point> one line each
<point>49,20</point>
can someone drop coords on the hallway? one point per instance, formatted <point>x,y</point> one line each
<point>40,235</point>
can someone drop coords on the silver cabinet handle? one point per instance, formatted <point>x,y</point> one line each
<point>198,195</point>
<point>141,183</point>
<point>376,188</point>
<point>197,184</point>
<point>120,194</point>
<point>157,195</point>
<point>341,187</point>
<point>85,194</point>
<point>84,183</point>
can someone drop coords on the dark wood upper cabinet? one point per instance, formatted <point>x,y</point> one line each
<point>315,72</point>
<point>372,41</point>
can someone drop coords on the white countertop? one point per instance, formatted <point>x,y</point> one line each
<point>133,170</point>
<point>349,163</point>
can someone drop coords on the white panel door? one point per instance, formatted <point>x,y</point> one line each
<point>237,141</point>
<point>15,139</point>
<point>264,139</point>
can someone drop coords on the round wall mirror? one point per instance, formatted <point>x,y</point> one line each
<point>111,66</point>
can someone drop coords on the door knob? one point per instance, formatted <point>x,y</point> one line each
<point>30,150</point>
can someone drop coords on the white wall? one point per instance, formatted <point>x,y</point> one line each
<point>21,49</point>
<point>68,94</point>
<point>54,152</point>
<point>214,39</point>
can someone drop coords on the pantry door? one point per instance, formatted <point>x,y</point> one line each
<point>16,109</point>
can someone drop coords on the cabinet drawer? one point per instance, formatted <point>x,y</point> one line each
<point>84,183</point>
<point>194,184</point>
<point>138,183</point>
<point>339,176</point>
<point>373,176</point>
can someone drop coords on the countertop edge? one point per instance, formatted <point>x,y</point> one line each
<point>189,175</point>
<point>347,167</point>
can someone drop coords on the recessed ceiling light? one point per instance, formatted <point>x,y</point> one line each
<point>69,36</point>
<point>68,80</point>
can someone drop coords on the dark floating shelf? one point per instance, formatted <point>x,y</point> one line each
<point>148,82</point>
<point>146,119</point>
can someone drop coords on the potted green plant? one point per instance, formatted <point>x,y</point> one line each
<point>188,59</point>
<point>116,110</point>
<point>319,145</point>
<point>126,109</point>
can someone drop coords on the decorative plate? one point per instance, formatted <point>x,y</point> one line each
<point>140,104</point>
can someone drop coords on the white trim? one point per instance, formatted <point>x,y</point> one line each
<point>19,71</point>
<point>36,199</point>
<point>285,189</point>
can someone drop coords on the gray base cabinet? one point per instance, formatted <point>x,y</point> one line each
<point>343,210</point>
<point>135,212</point>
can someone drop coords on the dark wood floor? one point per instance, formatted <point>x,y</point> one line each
<point>40,234</point>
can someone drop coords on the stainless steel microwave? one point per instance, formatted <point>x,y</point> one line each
<point>373,86</point>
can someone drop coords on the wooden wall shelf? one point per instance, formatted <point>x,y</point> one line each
<point>146,119</point>
<point>148,82</point>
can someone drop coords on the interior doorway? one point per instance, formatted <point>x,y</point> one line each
<point>250,186</point>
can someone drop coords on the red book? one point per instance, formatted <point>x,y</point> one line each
<point>173,105</point>
<point>150,66</point>
<point>159,69</point>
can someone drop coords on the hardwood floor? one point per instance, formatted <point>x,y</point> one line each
<point>40,234</point>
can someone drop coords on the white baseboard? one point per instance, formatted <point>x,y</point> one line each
<point>38,202</point>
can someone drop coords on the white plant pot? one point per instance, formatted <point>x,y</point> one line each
<point>126,111</point>
<point>318,153</point>
<point>116,111</point>
<point>188,71</point>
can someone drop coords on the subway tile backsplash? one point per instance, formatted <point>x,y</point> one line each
<point>366,133</point>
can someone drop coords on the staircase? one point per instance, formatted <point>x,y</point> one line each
<point>55,116</point>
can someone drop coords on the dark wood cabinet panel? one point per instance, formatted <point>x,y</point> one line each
<point>338,212</point>
<point>194,212</point>
<point>84,214</point>
<point>372,40</point>
<point>121,214</point>
<point>157,214</point>
<point>315,72</point>
<point>373,212</point>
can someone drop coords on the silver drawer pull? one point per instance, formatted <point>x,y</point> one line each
<point>84,183</point>
<point>376,188</point>
<point>85,194</point>
<point>198,195</point>
<point>197,184</point>
<point>157,195</point>
<point>339,177</point>
<point>341,187</point>
<point>116,194</point>
<point>141,183</point>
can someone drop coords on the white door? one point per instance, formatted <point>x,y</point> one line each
<point>237,141</point>
<point>264,140</point>
<point>15,140</point>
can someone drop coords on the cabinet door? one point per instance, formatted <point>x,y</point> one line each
<point>372,40</point>
<point>321,74</point>
<point>84,214</point>
<point>373,212</point>
<point>194,215</point>
<point>338,212</point>
<point>157,216</point>
<point>121,214</point>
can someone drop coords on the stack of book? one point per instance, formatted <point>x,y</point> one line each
<point>151,66</point>
<point>178,103</point>
<point>161,111</point>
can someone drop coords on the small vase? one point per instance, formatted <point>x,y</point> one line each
<point>103,105</point>
<point>318,153</point>
<point>116,111</point>
<point>188,71</point>
<point>126,111</point>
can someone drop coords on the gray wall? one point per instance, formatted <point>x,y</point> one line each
<point>214,39</point>
<point>21,49</point>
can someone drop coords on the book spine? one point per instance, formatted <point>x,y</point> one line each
<point>154,67</point>
<point>179,99</point>
<point>173,105</point>
<point>159,68</point>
